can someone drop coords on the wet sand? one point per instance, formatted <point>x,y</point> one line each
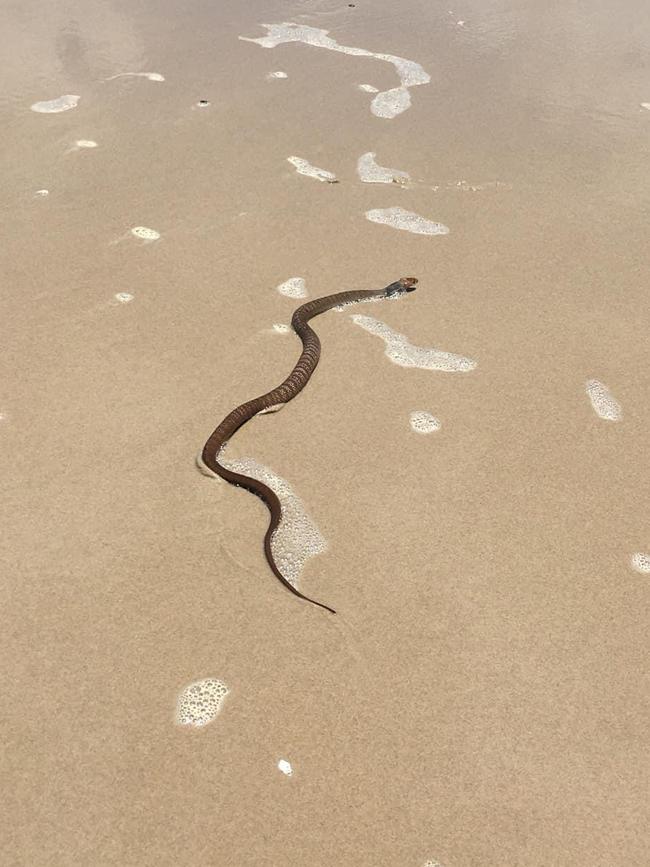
<point>481,698</point>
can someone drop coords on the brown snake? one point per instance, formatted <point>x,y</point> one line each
<point>292,385</point>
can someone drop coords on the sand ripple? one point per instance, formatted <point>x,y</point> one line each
<point>152,76</point>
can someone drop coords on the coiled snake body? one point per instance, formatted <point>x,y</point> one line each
<point>292,385</point>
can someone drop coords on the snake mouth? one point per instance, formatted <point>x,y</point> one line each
<point>404,284</point>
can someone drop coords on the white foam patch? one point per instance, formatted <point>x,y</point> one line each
<point>297,539</point>
<point>423,422</point>
<point>475,188</point>
<point>42,193</point>
<point>294,287</point>
<point>54,106</point>
<point>145,233</point>
<point>392,102</point>
<point>200,702</point>
<point>371,173</point>
<point>285,767</point>
<point>401,352</point>
<point>641,562</point>
<point>431,863</point>
<point>369,88</point>
<point>645,105</point>
<point>603,403</point>
<point>407,221</point>
<point>123,297</point>
<point>386,104</point>
<point>305,168</point>
<point>277,74</point>
<point>151,76</point>
<point>81,144</point>
<point>281,328</point>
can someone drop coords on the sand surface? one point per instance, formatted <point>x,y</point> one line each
<point>481,699</point>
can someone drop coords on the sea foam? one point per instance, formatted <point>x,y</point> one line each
<point>303,167</point>
<point>200,702</point>
<point>402,352</point>
<point>407,221</point>
<point>386,104</point>
<point>371,173</point>
<point>602,401</point>
<point>54,106</point>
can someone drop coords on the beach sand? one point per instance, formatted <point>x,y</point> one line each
<point>481,697</point>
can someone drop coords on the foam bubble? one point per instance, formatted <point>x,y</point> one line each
<point>305,168</point>
<point>145,233</point>
<point>277,74</point>
<point>604,404</point>
<point>369,88</point>
<point>54,106</point>
<point>401,352</point>
<point>645,105</point>
<point>151,76</point>
<point>200,702</point>
<point>407,221</point>
<point>387,104</point>
<point>42,193</point>
<point>123,297</point>
<point>431,863</point>
<point>86,143</point>
<point>281,328</point>
<point>474,188</point>
<point>297,539</point>
<point>423,422</point>
<point>285,767</point>
<point>390,103</point>
<point>294,287</point>
<point>641,562</point>
<point>371,173</point>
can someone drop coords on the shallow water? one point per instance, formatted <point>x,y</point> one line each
<point>480,697</point>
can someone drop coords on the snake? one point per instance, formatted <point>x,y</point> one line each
<point>286,391</point>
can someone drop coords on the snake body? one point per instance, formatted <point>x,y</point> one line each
<point>292,385</point>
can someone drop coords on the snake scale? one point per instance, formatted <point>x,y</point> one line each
<point>292,385</point>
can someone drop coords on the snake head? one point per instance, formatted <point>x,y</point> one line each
<point>404,284</point>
